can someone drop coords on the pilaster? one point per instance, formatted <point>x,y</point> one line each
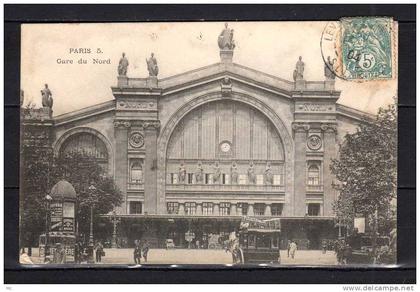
<point>150,166</point>
<point>121,159</point>
<point>299,199</point>
<point>330,151</point>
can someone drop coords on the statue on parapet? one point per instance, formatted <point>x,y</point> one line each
<point>152,66</point>
<point>225,40</point>
<point>300,67</point>
<point>216,173</point>
<point>251,174</point>
<point>268,174</point>
<point>328,69</point>
<point>47,100</point>
<point>182,173</point>
<point>122,66</point>
<point>234,173</point>
<point>22,97</point>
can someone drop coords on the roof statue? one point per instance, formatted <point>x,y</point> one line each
<point>300,67</point>
<point>123,65</point>
<point>225,40</point>
<point>22,97</point>
<point>328,69</point>
<point>47,100</point>
<point>152,66</point>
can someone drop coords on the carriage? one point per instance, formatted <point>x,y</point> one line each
<point>259,241</point>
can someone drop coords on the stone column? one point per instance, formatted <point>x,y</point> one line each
<point>150,166</point>
<point>330,145</point>
<point>216,209</point>
<point>233,210</point>
<point>121,159</point>
<point>199,210</point>
<point>267,211</point>
<point>250,210</point>
<point>299,198</point>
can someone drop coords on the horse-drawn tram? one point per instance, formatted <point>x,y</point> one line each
<point>259,240</point>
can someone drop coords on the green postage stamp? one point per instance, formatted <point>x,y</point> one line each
<point>366,46</point>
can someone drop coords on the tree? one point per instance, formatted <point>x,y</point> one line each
<point>83,171</point>
<point>366,168</point>
<point>34,186</point>
<point>40,171</point>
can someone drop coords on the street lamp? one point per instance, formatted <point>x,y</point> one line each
<point>48,199</point>
<point>115,220</point>
<point>92,189</point>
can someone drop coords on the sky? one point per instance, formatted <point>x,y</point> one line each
<point>271,47</point>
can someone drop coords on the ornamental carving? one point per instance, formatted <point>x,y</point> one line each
<point>136,105</point>
<point>314,107</point>
<point>300,127</point>
<point>136,140</point>
<point>331,128</point>
<point>151,125</point>
<point>226,87</point>
<point>122,124</point>
<point>314,142</point>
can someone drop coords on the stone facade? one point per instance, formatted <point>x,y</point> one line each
<point>150,117</point>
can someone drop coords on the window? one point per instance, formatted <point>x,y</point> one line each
<point>208,179</point>
<point>207,208</point>
<point>174,178</point>
<point>224,208</point>
<point>277,180</point>
<point>314,209</point>
<point>190,178</point>
<point>190,208</point>
<point>313,175</point>
<point>243,208</point>
<point>242,179</point>
<point>172,207</point>
<point>276,209</point>
<point>136,173</point>
<point>135,208</point>
<point>225,178</point>
<point>259,209</point>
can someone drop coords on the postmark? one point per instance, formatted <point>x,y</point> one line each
<point>359,48</point>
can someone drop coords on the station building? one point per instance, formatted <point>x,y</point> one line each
<point>197,151</point>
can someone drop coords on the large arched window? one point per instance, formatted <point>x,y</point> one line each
<point>218,141</point>
<point>88,145</point>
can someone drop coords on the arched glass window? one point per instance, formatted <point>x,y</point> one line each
<point>137,173</point>
<point>313,175</point>
<point>87,145</point>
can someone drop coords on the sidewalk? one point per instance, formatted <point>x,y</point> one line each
<point>204,256</point>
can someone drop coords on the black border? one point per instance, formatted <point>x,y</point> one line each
<point>405,14</point>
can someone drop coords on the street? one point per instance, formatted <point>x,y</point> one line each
<point>203,256</point>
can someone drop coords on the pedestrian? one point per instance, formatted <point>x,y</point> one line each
<point>145,250</point>
<point>288,248</point>
<point>347,254</point>
<point>59,255</point>
<point>137,253</point>
<point>293,248</point>
<point>339,250</point>
<point>25,258</point>
<point>99,252</point>
<point>324,246</point>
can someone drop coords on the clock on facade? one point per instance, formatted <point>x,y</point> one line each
<point>225,146</point>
